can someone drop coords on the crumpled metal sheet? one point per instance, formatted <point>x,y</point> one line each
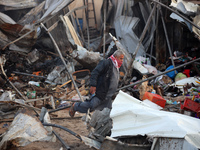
<point>53,6</point>
<point>131,117</point>
<point>196,21</point>
<point>124,30</point>
<point>127,25</point>
<point>18,4</point>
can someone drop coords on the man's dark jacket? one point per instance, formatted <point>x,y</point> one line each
<point>101,76</point>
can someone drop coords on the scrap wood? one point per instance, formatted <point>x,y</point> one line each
<point>67,22</point>
<point>73,93</point>
<point>144,87</point>
<point>64,84</point>
<point>33,100</point>
<point>43,99</point>
<point>21,104</point>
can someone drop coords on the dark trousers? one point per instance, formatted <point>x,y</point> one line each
<point>94,104</point>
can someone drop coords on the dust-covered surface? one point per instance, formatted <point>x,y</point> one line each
<point>74,124</point>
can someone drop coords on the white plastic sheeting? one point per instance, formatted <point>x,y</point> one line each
<point>188,80</point>
<point>132,117</point>
<point>180,83</point>
<point>189,6</point>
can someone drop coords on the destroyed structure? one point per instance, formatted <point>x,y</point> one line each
<point>49,47</point>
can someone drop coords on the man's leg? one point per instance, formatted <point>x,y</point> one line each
<point>83,107</point>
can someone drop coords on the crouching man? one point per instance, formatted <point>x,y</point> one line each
<point>103,84</point>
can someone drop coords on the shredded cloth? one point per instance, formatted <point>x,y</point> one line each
<point>116,63</point>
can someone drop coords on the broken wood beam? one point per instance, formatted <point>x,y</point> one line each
<point>73,10</point>
<point>25,105</point>
<point>67,23</point>
<point>65,83</point>
<point>18,39</point>
<point>52,102</point>
<point>152,77</point>
<point>33,100</point>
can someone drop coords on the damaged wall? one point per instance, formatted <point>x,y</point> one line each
<point>81,14</point>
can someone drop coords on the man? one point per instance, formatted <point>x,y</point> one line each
<point>104,82</point>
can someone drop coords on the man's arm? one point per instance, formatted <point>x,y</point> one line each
<point>99,69</point>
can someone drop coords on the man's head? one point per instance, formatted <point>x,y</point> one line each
<point>119,55</point>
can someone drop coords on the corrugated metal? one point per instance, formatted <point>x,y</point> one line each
<point>53,6</point>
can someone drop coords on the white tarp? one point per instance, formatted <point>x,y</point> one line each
<point>132,117</point>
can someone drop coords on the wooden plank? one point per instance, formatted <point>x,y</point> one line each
<point>53,26</point>
<point>72,31</point>
<point>34,100</point>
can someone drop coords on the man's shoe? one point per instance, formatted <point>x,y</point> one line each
<point>72,111</point>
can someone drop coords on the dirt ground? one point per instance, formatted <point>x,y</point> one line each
<point>61,118</point>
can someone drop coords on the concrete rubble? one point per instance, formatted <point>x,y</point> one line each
<point>48,50</point>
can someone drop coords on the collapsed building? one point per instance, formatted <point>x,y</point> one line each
<point>49,48</point>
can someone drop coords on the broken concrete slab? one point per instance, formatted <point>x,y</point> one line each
<point>86,58</point>
<point>24,129</point>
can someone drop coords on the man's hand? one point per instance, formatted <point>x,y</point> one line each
<point>92,89</point>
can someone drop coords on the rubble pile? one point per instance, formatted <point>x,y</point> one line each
<point>46,63</point>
